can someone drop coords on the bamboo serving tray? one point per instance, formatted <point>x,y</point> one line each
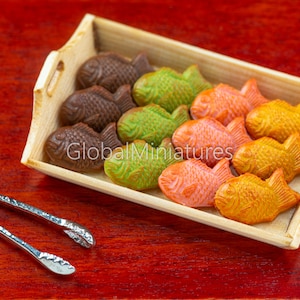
<point>57,81</point>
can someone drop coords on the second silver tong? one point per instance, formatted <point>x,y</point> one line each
<point>75,231</point>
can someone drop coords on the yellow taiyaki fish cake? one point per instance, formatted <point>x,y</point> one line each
<point>263,156</point>
<point>277,119</point>
<point>249,199</point>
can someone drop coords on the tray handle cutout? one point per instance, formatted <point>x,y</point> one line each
<point>55,78</point>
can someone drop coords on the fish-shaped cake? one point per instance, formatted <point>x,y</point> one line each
<point>192,183</point>
<point>263,156</point>
<point>277,119</point>
<point>225,103</point>
<point>209,140</point>
<point>251,200</point>
<point>96,106</point>
<point>168,88</point>
<point>138,165</point>
<point>80,148</point>
<point>151,123</point>
<point>112,70</point>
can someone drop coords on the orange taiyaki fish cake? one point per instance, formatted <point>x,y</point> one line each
<point>277,119</point>
<point>263,156</point>
<point>225,103</point>
<point>192,183</point>
<point>208,140</point>
<point>251,200</point>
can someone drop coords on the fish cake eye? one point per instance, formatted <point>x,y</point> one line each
<point>245,152</point>
<point>60,136</point>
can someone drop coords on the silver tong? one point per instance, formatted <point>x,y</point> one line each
<point>50,261</point>
<point>75,231</point>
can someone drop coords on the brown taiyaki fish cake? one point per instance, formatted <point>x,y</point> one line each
<point>96,106</point>
<point>80,148</point>
<point>111,70</point>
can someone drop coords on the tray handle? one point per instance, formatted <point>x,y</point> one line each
<point>55,78</point>
<point>53,85</point>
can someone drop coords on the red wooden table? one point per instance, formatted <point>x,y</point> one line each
<point>140,252</point>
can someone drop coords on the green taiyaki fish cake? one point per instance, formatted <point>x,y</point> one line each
<point>168,88</point>
<point>138,165</point>
<point>151,123</point>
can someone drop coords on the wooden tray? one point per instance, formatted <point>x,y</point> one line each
<point>57,81</point>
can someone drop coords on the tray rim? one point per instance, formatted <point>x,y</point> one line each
<point>288,242</point>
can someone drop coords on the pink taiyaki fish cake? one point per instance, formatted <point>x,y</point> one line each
<point>208,140</point>
<point>96,106</point>
<point>112,70</point>
<point>192,183</point>
<point>225,103</point>
<point>80,148</point>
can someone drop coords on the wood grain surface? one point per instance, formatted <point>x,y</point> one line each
<point>140,252</point>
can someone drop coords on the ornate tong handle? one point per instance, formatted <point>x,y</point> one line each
<point>75,231</point>
<point>49,261</point>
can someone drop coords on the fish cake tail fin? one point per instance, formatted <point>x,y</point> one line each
<point>252,93</point>
<point>141,64</point>
<point>196,79</point>
<point>123,99</point>
<point>181,114</point>
<point>238,130</point>
<point>222,170</point>
<point>292,145</point>
<point>287,197</point>
<point>110,138</point>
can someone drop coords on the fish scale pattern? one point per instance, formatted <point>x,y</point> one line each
<point>126,72</point>
<point>95,107</point>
